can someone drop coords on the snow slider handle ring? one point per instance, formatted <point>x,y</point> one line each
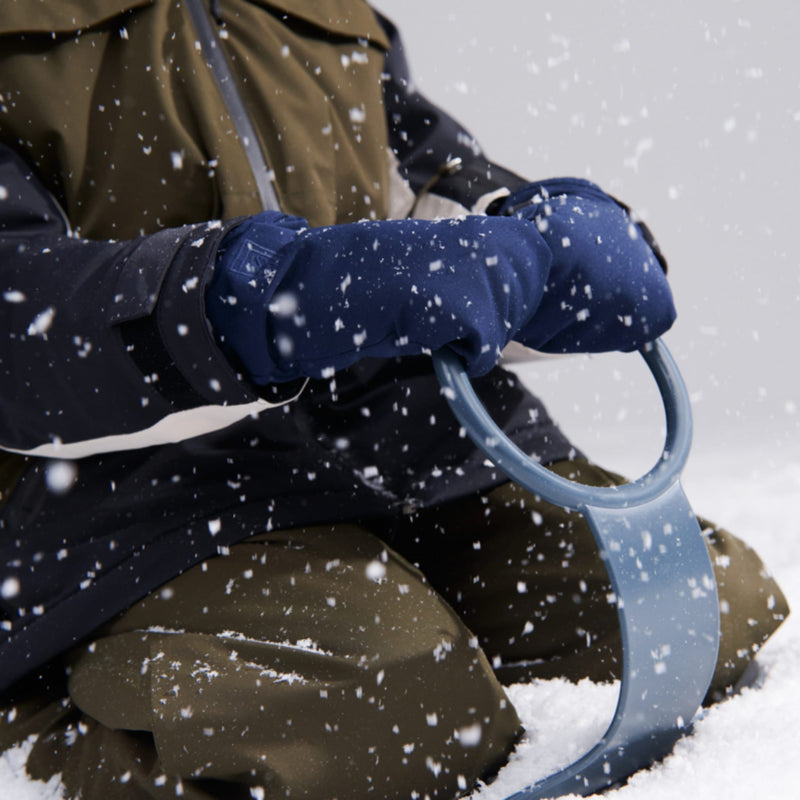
<point>660,573</point>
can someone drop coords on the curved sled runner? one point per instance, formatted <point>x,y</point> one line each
<point>660,572</point>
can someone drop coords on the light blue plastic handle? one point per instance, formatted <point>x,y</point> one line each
<point>660,571</point>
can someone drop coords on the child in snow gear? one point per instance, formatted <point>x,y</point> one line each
<point>221,582</point>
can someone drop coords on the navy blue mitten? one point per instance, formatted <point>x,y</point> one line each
<point>607,288</point>
<point>288,301</point>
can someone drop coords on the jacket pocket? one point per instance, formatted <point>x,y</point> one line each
<point>65,16</point>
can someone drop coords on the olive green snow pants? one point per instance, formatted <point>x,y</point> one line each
<point>351,661</point>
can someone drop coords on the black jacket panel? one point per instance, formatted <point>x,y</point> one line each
<point>82,369</point>
<point>426,140</point>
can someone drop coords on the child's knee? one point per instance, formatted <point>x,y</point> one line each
<point>752,605</point>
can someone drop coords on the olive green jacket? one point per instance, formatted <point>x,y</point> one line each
<point>113,102</point>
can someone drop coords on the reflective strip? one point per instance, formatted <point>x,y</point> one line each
<point>169,430</point>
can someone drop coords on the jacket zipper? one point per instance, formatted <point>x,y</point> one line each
<point>220,69</point>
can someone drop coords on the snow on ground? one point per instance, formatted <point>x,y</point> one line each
<point>744,748</point>
<point>15,785</point>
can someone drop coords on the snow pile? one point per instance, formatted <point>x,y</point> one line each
<point>562,721</point>
<point>15,784</point>
<point>742,748</point>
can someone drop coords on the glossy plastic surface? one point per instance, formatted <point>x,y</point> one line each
<point>660,571</point>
